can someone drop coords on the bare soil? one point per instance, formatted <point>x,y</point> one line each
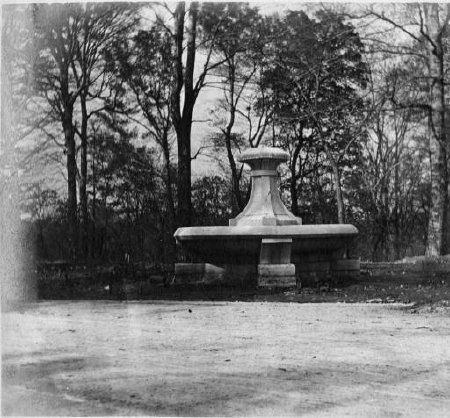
<point>198,358</point>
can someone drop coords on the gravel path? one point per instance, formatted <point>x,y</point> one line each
<point>225,358</point>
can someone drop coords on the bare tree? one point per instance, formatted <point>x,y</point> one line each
<point>393,170</point>
<point>102,25</point>
<point>72,40</point>
<point>186,90</point>
<point>240,49</point>
<point>57,32</point>
<point>425,27</point>
<point>145,64</point>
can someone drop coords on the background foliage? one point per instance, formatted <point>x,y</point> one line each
<point>99,100</point>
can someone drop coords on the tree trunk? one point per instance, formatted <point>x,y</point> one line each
<point>183,121</point>
<point>169,184</point>
<point>42,248</point>
<point>337,185</point>
<point>396,211</point>
<point>170,200</point>
<point>69,135</point>
<point>447,133</point>
<point>83,180</point>
<point>293,184</point>
<point>237,199</point>
<point>184,177</point>
<point>94,203</point>
<point>438,220</point>
<point>238,205</point>
<point>293,190</point>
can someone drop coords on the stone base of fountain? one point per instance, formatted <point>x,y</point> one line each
<point>308,274</point>
<point>265,244</point>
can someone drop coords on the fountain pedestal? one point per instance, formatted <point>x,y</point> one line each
<point>275,268</point>
<point>265,243</point>
<point>264,206</point>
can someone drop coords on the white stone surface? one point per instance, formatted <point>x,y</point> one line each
<point>265,206</point>
<point>263,153</point>
<point>285,231</point>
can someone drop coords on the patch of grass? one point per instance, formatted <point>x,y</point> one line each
<point>417,289</point>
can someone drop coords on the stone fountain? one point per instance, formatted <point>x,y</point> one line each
<point>265,242</point>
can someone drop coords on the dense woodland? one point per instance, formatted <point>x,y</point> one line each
<point>99,102</point>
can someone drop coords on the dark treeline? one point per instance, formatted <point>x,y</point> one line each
<point>100,100</point>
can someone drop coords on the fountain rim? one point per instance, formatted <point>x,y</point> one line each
<point>255,231</point>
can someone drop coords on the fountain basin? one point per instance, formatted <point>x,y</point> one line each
<point>242,243</point>
<point>265,243</point>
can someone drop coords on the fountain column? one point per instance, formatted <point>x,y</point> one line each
<point>265,208</point>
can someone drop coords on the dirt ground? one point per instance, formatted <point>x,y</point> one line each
<point>225,358</point>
